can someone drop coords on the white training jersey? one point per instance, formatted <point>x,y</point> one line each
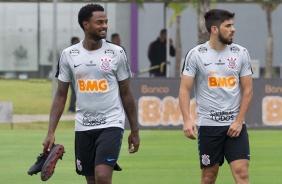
<point>95,75</point>
<point>216,81</point>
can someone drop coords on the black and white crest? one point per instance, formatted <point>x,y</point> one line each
<point>234,49</point>
<point>203,49</point>
<point>109,53</point>
<point>74,52</point>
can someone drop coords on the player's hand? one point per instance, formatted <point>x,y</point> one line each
<point>234,129</point>
<point>190,129</point>
<point>133,142</point>
<point>48,143</point>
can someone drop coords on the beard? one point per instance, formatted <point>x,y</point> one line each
<point>224,40</point>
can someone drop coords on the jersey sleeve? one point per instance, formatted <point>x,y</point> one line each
<point>123,69</point>
<point>246,64</point>
<point>64,69</point>
<point>190,64</point>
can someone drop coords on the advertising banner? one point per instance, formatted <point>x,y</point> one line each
<point>158,107</point>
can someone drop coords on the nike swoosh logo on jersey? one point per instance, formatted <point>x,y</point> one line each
<point>206,64</point>
<point>77,65</point>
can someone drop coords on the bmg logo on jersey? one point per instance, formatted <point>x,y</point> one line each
<point>221,81</point>
<point>93,86</point>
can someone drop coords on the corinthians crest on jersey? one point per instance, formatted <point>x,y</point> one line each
<point>232,63</point>
<point>105,64</point>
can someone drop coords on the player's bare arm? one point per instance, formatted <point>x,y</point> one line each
<point>189,127</point>
<point>56,112</point>
<point>130,110</point>
<point>247,95</point>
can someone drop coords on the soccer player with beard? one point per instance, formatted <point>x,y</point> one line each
<point>222,75</point>
<point>101,78</point>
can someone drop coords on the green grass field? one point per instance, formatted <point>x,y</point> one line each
<point>28,96</point>
<point>165,157</point>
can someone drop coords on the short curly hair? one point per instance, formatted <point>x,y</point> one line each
<point>215,17</point>
<point>85,12</point>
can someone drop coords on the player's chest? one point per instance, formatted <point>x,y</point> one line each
<point>100,64</point>
<point>217,64</point>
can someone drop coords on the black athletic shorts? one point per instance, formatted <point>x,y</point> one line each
<point>214,145</point>
<point>95,147</point>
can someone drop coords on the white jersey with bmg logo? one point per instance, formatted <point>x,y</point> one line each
<point>217,81</point>
<point>95,75</point>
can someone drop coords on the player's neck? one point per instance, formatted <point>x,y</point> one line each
<point>216,44</point>
<point>90,44</point>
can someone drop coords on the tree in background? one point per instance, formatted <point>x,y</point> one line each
<point>269,7</point>
<point>202,6</point>
<point>178,9</point>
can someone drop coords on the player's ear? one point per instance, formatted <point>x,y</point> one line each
<point>214,29</point>
<point>85,25</point>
